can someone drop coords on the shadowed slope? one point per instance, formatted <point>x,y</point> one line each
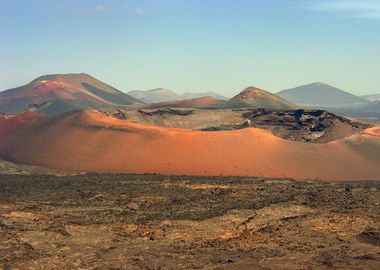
<point>89,141</point>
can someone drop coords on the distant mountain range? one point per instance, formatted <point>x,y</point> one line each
<point>154,95</point>
<point>250,97</point>
<point>197,103</point>
<point>163,94</point>
<point>60,93</point>
<point>373,97</point>
<point>204,94</point>
<point>320,94</point>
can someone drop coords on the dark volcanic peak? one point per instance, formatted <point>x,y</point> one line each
<point>320,94</point>
<point>251,92</point>
<point>253,97</point>
<point>68,76</point>
<point>58,93</point>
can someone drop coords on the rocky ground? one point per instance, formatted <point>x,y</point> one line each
<point>313,126</point>
<point>126,221</point>
<point>7,167</point>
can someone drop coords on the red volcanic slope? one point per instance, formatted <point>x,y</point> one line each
<point>11,126</point>
<point>62,92</point>
<point>89,141</point>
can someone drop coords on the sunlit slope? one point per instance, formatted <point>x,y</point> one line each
<point>90,141</point>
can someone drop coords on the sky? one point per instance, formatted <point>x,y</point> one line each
<point>194,45</point>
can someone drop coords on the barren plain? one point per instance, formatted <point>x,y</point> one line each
<point>151,221</point>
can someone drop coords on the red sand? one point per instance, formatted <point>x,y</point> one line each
<point>88,141</point>
<point>375,131</point>
<point>11,126</point>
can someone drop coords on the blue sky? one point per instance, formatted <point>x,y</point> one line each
<point>194,45</point>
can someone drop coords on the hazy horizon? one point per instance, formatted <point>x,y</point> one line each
<point>194,46</point>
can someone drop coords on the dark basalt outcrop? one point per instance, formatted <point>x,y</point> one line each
<point>304,125</point>
<point>3,115</point>
<point>316,126</point>
<point>37,106</point>
<point>313,126</point>
<point>166,111</point>
<point>311,120</point>
<point>370,236</point>
<point>119,114</point>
